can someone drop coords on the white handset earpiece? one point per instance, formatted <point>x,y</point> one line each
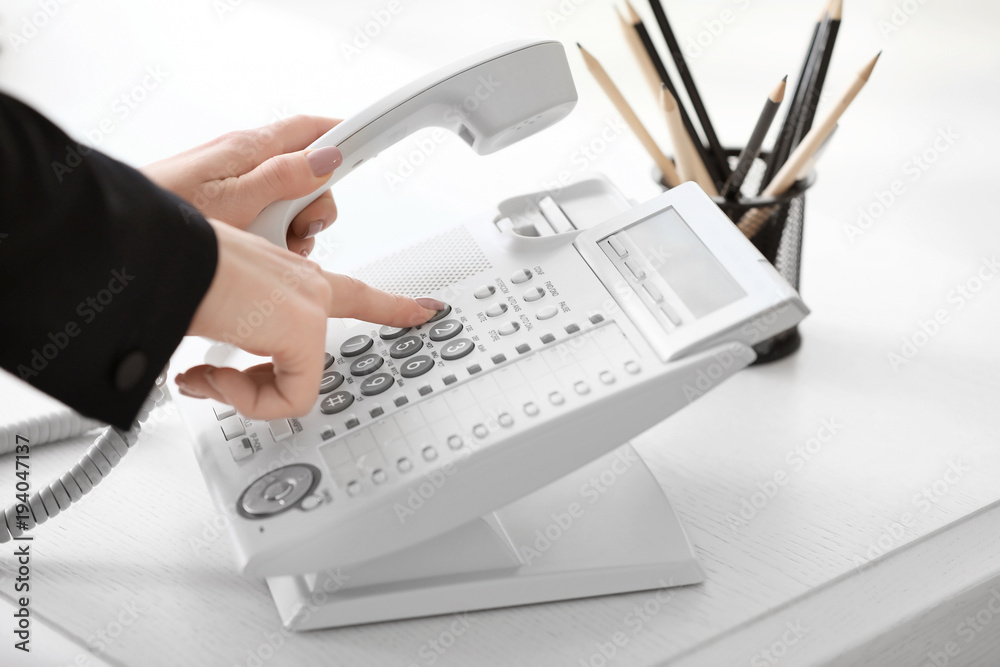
<point>491,99</point>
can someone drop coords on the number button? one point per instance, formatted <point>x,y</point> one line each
<point>444,312</point>
<point>327,361</point>
<point>417,366</point>
<point>497,309</point>
<point>391,333</point>
<point>355,345</point>
<point>445,330</point>
<point>336,402</point>
<point>457,349</point>
<point>376,384</point>
<point>330,381</point>
<point>404,347</point>
<point>367,364</point>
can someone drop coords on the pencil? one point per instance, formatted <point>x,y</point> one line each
<point>674,48</point>
<point>689,165</point>
<point>810,102</point>
<point>752,149</point>
<point>783,143</point>
<point>649,60</point>
<point>751,221</point>
<point>666,167</point>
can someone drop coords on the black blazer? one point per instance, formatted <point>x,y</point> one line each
<point>101,270</point>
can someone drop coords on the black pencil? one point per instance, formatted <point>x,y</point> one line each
<point>752,149</point>
<point>632,17</point>
<point>682,70</point>
<point>811,101</point>
<point>783,144</point>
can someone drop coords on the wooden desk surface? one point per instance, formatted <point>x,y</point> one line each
<point>844,504</point>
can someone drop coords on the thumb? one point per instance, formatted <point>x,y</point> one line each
<point>287,176</point>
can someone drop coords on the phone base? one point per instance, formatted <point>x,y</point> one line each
<point>605,529</point>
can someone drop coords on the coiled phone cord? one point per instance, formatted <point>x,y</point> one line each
<point>96,464</point>
<point>50,427</point>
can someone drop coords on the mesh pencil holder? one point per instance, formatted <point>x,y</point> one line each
<point>778,238</point>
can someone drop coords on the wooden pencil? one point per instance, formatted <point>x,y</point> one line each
<point>645,53</point>
<point>810,102</point>
<point>666,167</point>
<point>752,149</point>
<point>751,221</point>
<point>680,63</point>
<point>689,164</point>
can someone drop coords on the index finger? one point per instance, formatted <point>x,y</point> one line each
<point>352,298</point>
<point>292,134</point>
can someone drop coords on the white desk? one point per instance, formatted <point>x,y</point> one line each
<point>143,559</point>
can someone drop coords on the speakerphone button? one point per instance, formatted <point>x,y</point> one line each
<point>280,429</point>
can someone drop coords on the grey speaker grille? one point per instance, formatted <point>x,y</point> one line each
<point>427,266</point>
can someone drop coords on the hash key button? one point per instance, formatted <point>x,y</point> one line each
<point>336,402</point>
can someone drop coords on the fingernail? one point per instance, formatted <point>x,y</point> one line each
<point>304,253</point>
<point>314,228</point>
<point>430,304</point>
<point>188,392</point>
<point>324,160</point>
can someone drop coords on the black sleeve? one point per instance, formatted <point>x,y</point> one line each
<point>101,271</point>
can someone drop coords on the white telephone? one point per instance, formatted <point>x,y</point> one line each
<point>452,466</point>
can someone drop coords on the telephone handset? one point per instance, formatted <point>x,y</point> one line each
<point>491,99</point>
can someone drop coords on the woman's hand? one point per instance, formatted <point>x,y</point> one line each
<point>233,178</point>
<point>271,302</point>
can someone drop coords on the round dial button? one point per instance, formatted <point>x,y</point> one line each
<point>445,330</point>
<point>534,294</point>
<point>521,276</point>
<point>336,402</point>
<point>457,349</point>
<point>485,291</point>
<point>509,328</point>
<point>330,381</point>
<point>444,312</point>
<point>367,364</point>
<point>278,491</point>
<point>327,361</point>
<point>496,309</point>
<point>404,347</point>
<point>376,384</point>
<point>355,345</point>
<point>416,366</point>
<point>391,333</point>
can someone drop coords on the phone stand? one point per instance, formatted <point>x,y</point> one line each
<point>607,528</point>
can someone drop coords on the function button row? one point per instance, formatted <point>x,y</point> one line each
<point>534,294</point>
<point>445,330</point>
<point>547,313</point>
<point>509,328</point>
<point>404,347</point>
<point>497,309</point>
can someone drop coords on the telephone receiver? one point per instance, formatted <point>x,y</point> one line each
<point>490,99</point>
